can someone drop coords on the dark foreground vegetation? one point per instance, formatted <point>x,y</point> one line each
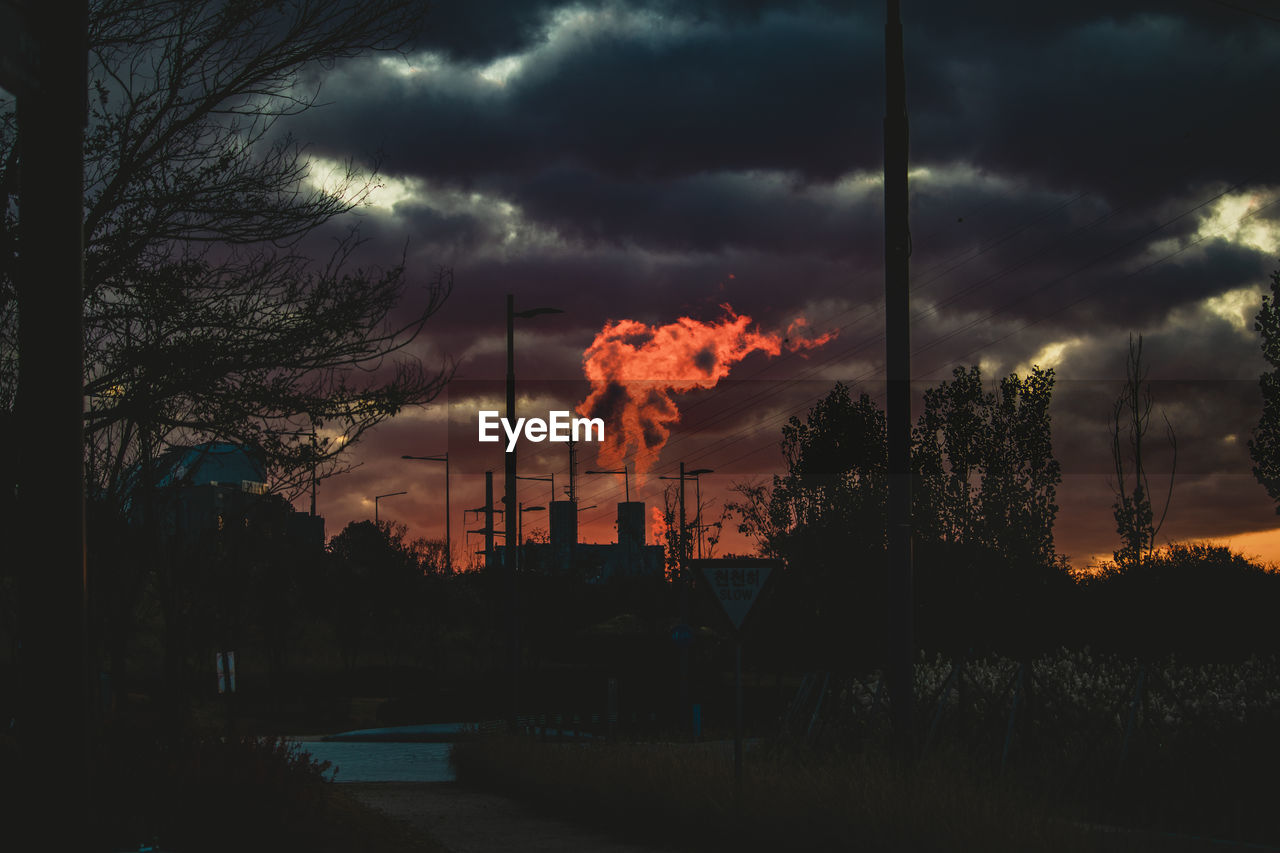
<point>1167,722</point>
<point>683,794</point>
<point>1066,752</point>
<point>206,793</point>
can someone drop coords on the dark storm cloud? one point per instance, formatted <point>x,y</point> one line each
<point>483,30</point>
<point>704,213</point>
<point>480,30</point>
<point>1105,105</point>
<point>763,97</point>
<point>661,164</point>
<point>442,231</point>
<point>1200,348</point>
<point>650,141</point>
<point>1093,101</point>
<point>1127,293</point>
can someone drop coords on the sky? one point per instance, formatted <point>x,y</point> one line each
<point>1080,173</point>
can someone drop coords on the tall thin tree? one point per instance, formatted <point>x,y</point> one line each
<point>1130,420</point>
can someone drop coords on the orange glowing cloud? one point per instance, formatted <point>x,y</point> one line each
<point>636,369</point>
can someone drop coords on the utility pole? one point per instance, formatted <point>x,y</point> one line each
<point>509,500</point>
<point>573,471</point>
<point>685,579</point>
<point>897,249</point>
<point>511,553</point>
<point>488,519</point>
<point>48,73</point>
<point>686,710</point>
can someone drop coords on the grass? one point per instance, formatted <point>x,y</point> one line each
<point>867,802</point>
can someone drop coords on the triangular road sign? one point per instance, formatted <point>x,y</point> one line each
<point>736,585</point>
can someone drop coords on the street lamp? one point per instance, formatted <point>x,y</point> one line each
<point>448,539</point>
<point>626,479</point>
<point>510,498</point>
<point>377,498</point>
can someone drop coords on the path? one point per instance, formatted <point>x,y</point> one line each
<point>469,821</point>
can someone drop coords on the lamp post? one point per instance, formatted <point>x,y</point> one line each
<point>448,539</point>
<point>509,500</point>
<point>626,479</point>
<point>377,498</point>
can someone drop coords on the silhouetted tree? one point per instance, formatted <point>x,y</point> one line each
<point>205,316</point>
<point>1200,601</point>
<point>835,482</point>
<point>207,313</point>
<point>671,530</point>
<point>984,506</point>
<point>375,585</point>
<point>1135,518</point>
<point>826,519</point>
<point>431,555</point>
<point>1264,447</point>
<point>986,475</point>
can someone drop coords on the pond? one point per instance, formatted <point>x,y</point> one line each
<point>401,754</point>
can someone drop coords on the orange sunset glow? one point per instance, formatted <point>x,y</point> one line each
<point>1259,546</point>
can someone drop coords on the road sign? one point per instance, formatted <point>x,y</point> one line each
<point>736,585</point>
<point>19,52</point>
<point>682,636</point>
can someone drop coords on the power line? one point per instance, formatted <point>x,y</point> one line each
<point>744,434</point>
<point>1010,334</point>
<point>1246,11</point>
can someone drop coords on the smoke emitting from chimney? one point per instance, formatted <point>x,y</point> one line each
<point>636,370</point>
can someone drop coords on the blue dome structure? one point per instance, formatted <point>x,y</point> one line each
<point>214,462</point>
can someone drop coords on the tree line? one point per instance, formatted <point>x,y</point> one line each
<point>986,572</point>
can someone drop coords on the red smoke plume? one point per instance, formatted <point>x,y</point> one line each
<point>635,369</point>
<point>657,527</point>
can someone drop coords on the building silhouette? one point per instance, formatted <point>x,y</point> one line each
<point>565,556</point>
<point>204,487</point>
